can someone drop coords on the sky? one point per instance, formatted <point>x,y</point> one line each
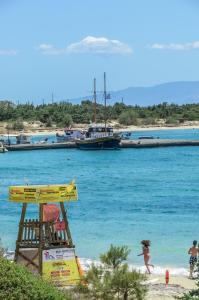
<point>59,46</point>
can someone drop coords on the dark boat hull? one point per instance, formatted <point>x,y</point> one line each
<point>104,143</point>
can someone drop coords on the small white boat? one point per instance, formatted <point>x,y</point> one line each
<point>22,139</point>
<point>126,135</point>
<point>69,135</point>
<point>2,148</point>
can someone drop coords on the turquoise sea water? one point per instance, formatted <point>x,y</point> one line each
<point>124,196</point>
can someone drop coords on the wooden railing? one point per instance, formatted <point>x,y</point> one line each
<point>50,236</point>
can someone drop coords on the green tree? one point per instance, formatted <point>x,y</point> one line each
<point>83,113</point>
<point>115,256</point>
<point>49,122</point>
<point>113,279</point>
<point>126,283</point>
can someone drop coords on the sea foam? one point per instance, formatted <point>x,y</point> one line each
<point>158,270</point>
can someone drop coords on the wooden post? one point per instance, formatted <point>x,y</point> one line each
<point>40,237</point>
<point>66,223</point>
<point>20,232</point>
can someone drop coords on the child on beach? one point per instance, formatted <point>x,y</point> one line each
<point>146,253</point>
<point>193,251</point>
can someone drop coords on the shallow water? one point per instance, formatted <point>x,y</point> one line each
<point>124,196</point>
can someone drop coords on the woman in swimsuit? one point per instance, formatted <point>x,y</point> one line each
<point>146,253</point>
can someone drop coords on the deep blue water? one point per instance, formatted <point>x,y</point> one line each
<point>124,196</point>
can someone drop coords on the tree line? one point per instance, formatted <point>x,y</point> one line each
<point>65,113</point>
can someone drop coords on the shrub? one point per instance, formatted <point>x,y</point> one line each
<point>17,283</point>
<point>128,117</point>
<point>66,121</point>
<point>113,279</point>
<point>2,249</point>
<point>193,294</point>
<point>149,121</point>
<point>171,121</point>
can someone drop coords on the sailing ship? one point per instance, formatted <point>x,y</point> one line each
<point>99,136</point>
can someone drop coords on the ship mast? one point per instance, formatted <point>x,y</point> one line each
<point>95,100</point>
<point>105,97</point>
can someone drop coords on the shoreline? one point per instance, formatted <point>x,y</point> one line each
<point>154,128</point>
<point>159,270</point>
<point>157,289</point>
<point>47,132</point>
<point>179,282</point>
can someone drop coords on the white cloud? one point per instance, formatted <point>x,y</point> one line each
<point>49,49</point>
<point>4,52</point>
<point>45,47</point>
<point>99,45</point>
<point>90,44</point>
<point>174,46</point>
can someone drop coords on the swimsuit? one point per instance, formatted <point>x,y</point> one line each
<point>193,260</point>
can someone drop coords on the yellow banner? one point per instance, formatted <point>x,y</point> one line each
<point>60,266</point>
<point>43,193</point>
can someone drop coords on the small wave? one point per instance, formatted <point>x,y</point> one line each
<point>9,255</point>
<point>169,212</point>
<point>158,270</point>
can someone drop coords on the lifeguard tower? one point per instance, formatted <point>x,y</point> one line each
<point>44,245</point>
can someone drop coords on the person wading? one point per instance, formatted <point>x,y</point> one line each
<point>193,251</point>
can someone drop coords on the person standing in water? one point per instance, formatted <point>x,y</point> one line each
<point>146,253</point>
<point>193,251</point>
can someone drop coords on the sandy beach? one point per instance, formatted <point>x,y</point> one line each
<point>122,129</point>
<point>51,131</point>
<point>176,287</point>
<point>179,281</point>
<point>138,128</point>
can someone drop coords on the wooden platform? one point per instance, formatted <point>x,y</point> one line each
<point>144,143</point>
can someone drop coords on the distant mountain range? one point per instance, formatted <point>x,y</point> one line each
<point>180,92</point>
